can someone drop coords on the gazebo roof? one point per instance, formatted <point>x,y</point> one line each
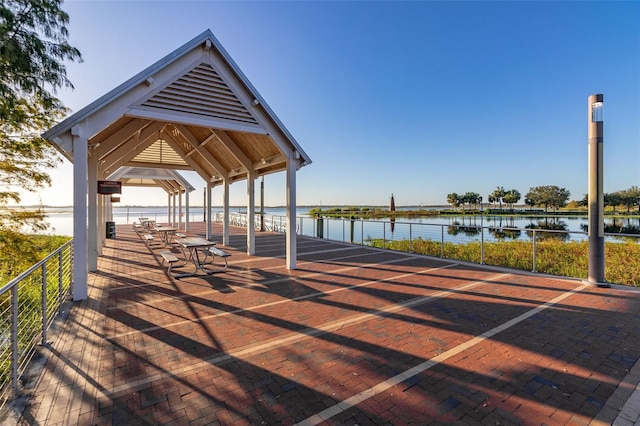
<point>192,110</point>
<point>169,180</point>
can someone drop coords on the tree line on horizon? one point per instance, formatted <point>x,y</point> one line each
<point>547,196</point>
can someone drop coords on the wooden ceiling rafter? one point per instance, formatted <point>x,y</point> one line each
<point>185,133</point>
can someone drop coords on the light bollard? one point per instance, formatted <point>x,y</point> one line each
<point>596,191</point>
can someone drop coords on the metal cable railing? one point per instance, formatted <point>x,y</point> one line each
<point>28,305</point>
<point>531,249</point>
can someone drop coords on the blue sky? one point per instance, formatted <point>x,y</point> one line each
<point>418,99</point>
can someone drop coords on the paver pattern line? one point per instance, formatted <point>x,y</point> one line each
<point>306,296</point>
<point>296,336</point>
<point>399,378</point>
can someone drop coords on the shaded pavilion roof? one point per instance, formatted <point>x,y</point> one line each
<point>169,180</point>
<point>192,110</point>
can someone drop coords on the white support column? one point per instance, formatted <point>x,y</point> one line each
<point>102,215</point>
<point>168,208</point>
<point>225,213</point>
<point>179,209</point>
<point>102,226</point>
<point>208,225</point>
<point>174,221</point>
<point>251,209</point>
<point>92,213</point>
<point>186,216</point>
<point>80,188</point>
<point>109,209</point>
<point>292,248</point>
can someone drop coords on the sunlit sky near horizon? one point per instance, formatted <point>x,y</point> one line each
<point>418,99</point>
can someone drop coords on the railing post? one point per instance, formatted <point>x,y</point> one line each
<point>14,340</point>
<point>72,261</point>
<point>410,239</point>
<point>534,251</point>
<point>384,236</point>
<point>362,232</point>
<point>482,245</point>
<point>44,304</point>
<point>442,241</point>
<point>60,266</point>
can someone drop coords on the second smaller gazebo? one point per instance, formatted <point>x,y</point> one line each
<point>172,182</point>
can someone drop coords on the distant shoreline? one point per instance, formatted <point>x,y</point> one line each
<point>416,207</point>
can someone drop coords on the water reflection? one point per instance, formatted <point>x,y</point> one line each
<point>468,230</point>
<point>504,221</point>
<point>505,233</point>
<point>550,224</point>
<point>502,228</point>
<point>626,225</point>
<point>469,226</point>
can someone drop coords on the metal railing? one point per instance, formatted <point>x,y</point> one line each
<point>532,249</point>
<point>28,305</point>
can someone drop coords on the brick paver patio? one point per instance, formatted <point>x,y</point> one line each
<point>353,336</point>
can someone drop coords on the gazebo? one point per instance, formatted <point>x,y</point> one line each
<point>192,110</point>
<point>172,182</point>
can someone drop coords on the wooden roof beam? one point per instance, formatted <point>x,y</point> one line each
<point>124,133</point>
<point>228,143</point>
<point>195,166</point>
<point>122,155</point>
<point>199,147</point>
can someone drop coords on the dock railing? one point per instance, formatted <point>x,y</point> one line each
<point>28,305</point>
<point>529,249</point>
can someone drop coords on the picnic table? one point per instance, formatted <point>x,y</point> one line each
<point>165,232</point>
<point>190,247</point>
<point>147,223</point>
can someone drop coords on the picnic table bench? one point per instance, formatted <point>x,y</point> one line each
<point>149,239</point>
<point>215,251</point>
<point>170,258</point>
<point>177,236</point>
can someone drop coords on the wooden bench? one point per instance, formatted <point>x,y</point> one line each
<point>170,258</point>
<point>148,238</point>
<point>178,235</point>
<point>214,251</point>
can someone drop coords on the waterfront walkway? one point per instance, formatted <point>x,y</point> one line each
<point>353,336</point>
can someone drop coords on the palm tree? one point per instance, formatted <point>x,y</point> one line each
<point>492,200</point>
<point>498,194</point>
<point>453,199</point>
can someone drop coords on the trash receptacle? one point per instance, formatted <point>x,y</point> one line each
<point>111,230</point>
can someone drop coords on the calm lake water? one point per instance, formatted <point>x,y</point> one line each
<point>436,227</point>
